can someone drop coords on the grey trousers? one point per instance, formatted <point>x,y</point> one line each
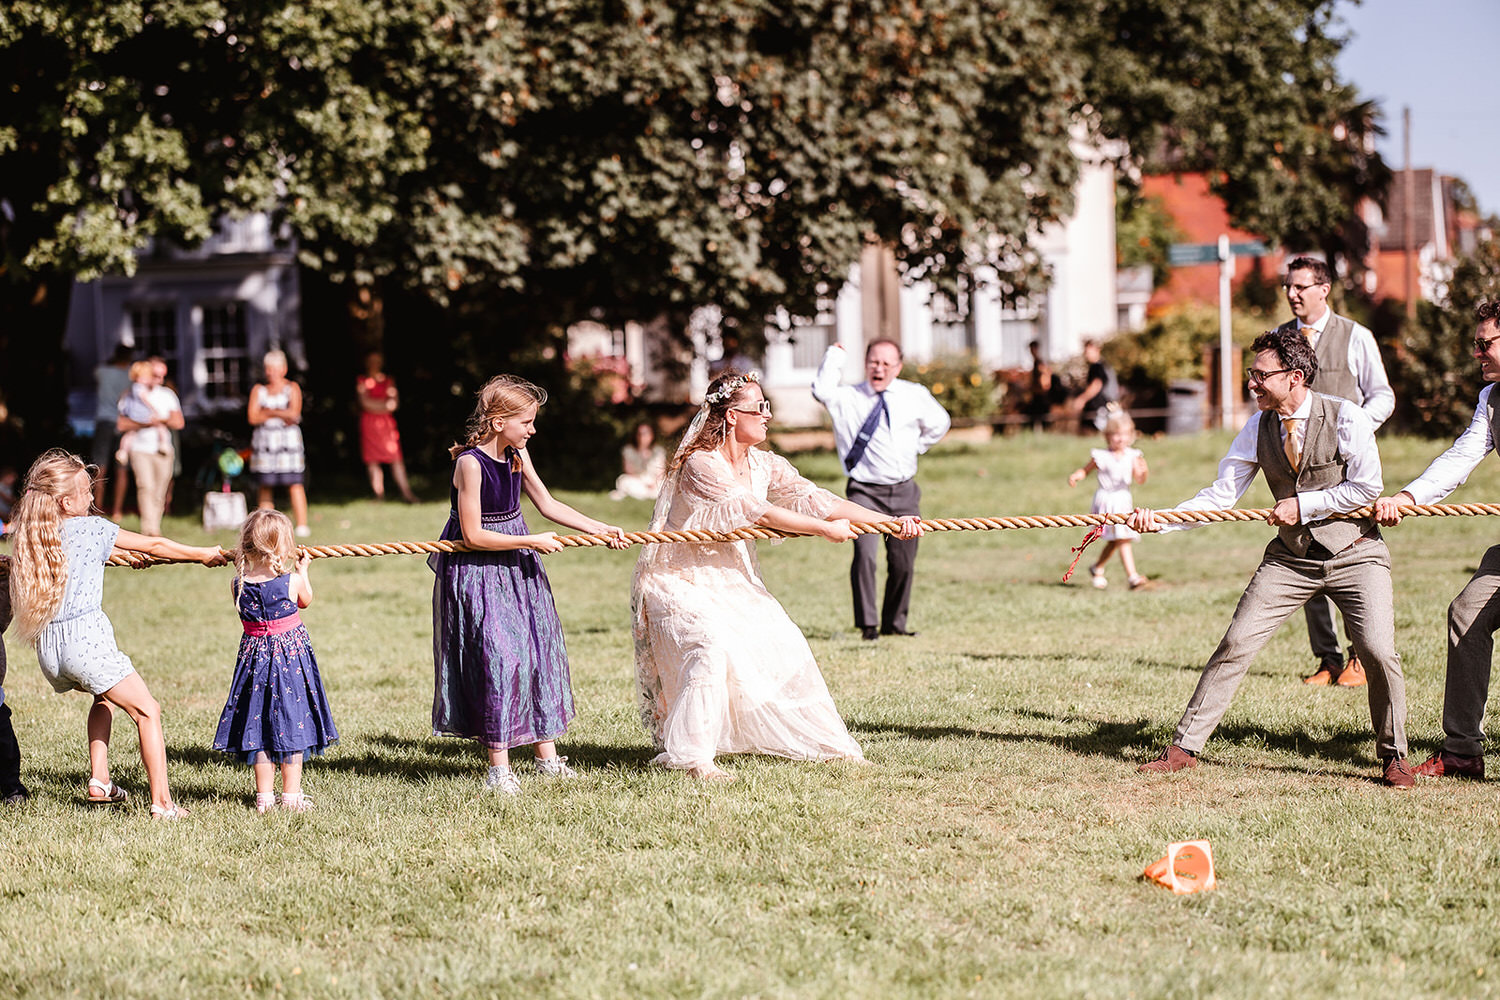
<point>1358,581</point>
<point>1322,633</point>
<point>896,499</point>
<point>1473,618</point>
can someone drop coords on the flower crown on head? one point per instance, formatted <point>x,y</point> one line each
<point>731,386</point>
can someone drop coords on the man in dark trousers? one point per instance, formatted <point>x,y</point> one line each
<point>880,426</point>
<point>1319,458</point>
<point>1349,367</point>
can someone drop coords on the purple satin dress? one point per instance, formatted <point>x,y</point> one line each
<point>501,666</point>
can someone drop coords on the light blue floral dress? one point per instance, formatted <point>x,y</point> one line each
<point>76,649</point>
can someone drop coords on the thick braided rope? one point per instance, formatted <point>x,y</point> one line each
<point>860,527</point>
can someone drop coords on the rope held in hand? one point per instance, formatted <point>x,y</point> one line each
<point>1021,521</point>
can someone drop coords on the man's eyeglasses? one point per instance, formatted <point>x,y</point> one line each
<point>1482,344</point>
<point>1258,376</point>
<point>763,408</point>
<point>1289,287</point>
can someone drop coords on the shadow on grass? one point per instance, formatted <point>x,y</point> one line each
<point>1077,659</point>
<point>1108,738</point>
<point>422,759</point>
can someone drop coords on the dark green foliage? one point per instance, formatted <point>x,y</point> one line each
<point>1434,373</point>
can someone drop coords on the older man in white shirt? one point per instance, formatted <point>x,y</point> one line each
<point>1349,367</point>
<point>1474,614</point>
<point>1319,458</point>
<point>880,426</point>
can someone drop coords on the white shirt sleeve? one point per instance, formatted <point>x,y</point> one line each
<point>1451,469</point>
<point>1236,471</point>
<point>932,421</point>
<point>1369,374</point>
<point>829,375</point>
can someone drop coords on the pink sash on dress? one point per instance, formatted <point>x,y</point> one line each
<point>275,626</point>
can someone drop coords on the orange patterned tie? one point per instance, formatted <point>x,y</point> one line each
<point>1307,331</point>
<point>1292,446</point>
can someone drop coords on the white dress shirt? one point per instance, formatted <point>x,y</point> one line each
<point>1362,476</point>
<point>1449,470</point>
<point>916,422</point>
<point>1366,367</point>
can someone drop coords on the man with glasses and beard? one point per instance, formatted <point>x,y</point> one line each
<point>1349,367</point>
<point>1319,458</point>
<point>1474,614</point>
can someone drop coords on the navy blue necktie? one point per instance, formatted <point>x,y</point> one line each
<point>862,440</point>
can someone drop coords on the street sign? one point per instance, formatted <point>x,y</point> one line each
<point>1188,254</point>
<point>1184,254</point>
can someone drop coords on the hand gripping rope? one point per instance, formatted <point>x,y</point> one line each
<point>1094,521</point>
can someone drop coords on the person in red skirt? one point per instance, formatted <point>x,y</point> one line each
<point>379,439</point>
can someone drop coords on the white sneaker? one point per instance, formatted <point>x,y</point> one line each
<point>502,781</point>
<point>554,767</point>
<point>1098,578</point>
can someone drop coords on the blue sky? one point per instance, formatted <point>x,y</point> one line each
<point>1434,56</point>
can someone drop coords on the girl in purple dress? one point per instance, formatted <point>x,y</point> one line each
<point>277,711</point>
<point>501,664</point>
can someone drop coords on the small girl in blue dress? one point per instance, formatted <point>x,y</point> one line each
<point>500,661</point>
<point>57,592</point>
<point>277,710</point>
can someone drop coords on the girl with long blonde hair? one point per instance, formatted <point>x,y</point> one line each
<point>501,665</point>
<point>57,589</point>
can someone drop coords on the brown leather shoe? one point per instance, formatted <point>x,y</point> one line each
<point>1353,675</point>
<point>1173,758</point>
<point>1398,773</point>
<point>1451,765</point>
<point>1326,675</point>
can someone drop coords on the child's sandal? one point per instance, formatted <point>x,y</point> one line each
<point>265,802</point>
<point>105,794</point>
<point>1137,582</point>
<point>1097,577</point>
<point>173,811</point>
<point>296,802</point>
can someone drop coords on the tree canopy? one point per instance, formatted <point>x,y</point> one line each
<point>639,155</point>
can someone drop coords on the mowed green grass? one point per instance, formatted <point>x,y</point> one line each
<point>993,847</point>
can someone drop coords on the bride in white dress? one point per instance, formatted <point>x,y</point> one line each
<point>719,666</point>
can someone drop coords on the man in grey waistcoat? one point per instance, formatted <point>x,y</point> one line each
<point>1319,458</point>
<point>1474,614</point>
<point>1349,367</point>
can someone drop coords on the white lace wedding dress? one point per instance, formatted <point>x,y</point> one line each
<point>719,666</point>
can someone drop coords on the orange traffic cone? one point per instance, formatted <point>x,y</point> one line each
<point>1188,867</point>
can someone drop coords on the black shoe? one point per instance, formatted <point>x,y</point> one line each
<point>898,631</point>
<point>869,632</point>
<point>16,797</point>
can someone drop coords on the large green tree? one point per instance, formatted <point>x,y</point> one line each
<point>550,159</point>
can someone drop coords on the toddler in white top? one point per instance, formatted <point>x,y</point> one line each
<point>1117,466</point>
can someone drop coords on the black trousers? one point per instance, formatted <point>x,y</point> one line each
<point>898,500</point>
<point>10,756</point>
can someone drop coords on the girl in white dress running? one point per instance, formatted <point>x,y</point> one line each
<point>1118,466</point>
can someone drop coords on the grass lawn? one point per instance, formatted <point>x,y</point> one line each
<point>994,848</point>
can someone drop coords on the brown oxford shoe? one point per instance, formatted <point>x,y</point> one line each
<point>1353,675</point>
<point>1173,758</point>
<point>1451,765</point>
<point>1327,673</point>
<point>1398,773</point>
